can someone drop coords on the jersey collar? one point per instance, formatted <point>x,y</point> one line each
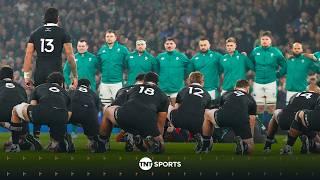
<point>195,84</point>
<point>51,24</point>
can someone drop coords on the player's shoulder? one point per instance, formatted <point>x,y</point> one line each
<point>258,48</point>
<point>162,54</point>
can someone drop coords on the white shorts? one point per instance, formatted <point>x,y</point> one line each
<point>289,95</point>
<point>265,93</point>
<point>172,95</point>
<point>19,109</point>
<point>223,91</point>
<point>212,94</point>
<point>108,92</point>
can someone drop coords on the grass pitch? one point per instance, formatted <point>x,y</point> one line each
<point>221,162</point>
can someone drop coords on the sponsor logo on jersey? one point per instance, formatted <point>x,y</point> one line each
<point>224,60</point>
<point>177,58</point>
<point>211,55</point>
<point>162,58</point>
<point>131,57</point>
<point>90,59</point>
<point>196,58</point>
<point>118,49</point>
<point>146,58</point>
<point>258,54</point>
<point>272,54</point>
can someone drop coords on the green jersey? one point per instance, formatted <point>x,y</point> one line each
<point>298,68</point>
<point>111,61</point>
<point>208,64</point>
<point>139,63</point>
<point>317,55</point>
<point>234,67</point>
<point>173,68</point>
<point>87,65</point>
<point>267,61</point>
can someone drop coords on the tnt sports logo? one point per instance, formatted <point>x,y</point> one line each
<point>146,164</point>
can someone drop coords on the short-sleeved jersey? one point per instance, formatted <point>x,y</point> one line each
<point>122,96</point>
<point>85,97</point>
<point>303,100</point>
<point>237,105</point>
<point>147,98</point>
<point>193,101</point>
<point>11,94</point>
<point>52,95</point>
<point>48,42</point>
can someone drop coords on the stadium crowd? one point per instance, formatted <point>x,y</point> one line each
<point>187,21</point>
<point>189,25</point>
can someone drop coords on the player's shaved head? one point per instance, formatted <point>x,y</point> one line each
<point>196,77</point>
<point>6,72</point>
<point>297,48</point>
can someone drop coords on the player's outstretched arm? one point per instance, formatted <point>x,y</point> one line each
<point>71,59</point>
<point>28,65</point>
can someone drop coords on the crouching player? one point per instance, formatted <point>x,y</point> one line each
<point>305,121</point>
<point>237,108</point>
<point>50,105</point>
<point>144,113</point>
<point>85,107</point>
<point>191,103</point>
<point>283,118</point>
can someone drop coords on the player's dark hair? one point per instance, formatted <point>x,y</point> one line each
<point>242,83</point>
<point>111,31</point>
<point>56,77</point>
<point>231,39</point>
<point>140,77</point>
<point>6,72</point>
<point>195,77</point>
<point>51,15</point>
<point>170,39</point>
<point>83,40</point>
<point>266,33</point>
<point>84,82</point>
<point>151,77</point>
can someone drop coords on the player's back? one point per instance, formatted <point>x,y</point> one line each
<point>51,94</point>
<point>48,42</point>
<point>11,93</point>
<point>122,95</point>
<point>303,100</point>
<point>146,97</point>
<point>84,96</point>
<point>236,105</point>
<point>193,100</point>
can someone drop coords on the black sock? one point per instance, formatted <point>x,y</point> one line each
<point>104,138</point>
<point>291,140</point>
<point>206,141</point>
<point>15,134</point>
<point>245,147</point>
<point>269,141</point>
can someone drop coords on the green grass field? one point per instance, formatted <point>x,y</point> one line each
<point>220,162</point>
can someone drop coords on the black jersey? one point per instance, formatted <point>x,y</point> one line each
<point>11,94</point>
<point>52,95</point>
<point>122,95</point>
<point>147,98</point>
<point>48,42</point>
<point>303,100</point>
<point>236,106</point>
<point>84,96</point>
<point>193,101</point>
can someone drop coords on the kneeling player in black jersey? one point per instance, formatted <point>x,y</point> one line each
<point>305,121</point>
<point>237,107</point>
<point>12,94</point>
<point>283,118</point>
<point>85,107</point>
<point>191,103</point>
<point>144,113</point>
<point>50,105</point>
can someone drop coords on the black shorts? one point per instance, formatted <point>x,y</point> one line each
<point>190,123</point>
<point>285,119</point>
<point>85,117</point>
<point>240,127</point>
<point>312,119</point>
<point>56,119</point>
<point>133,121</point>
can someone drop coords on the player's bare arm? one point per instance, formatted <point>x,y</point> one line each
<point>71,59</point>
<point>27,66</point>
